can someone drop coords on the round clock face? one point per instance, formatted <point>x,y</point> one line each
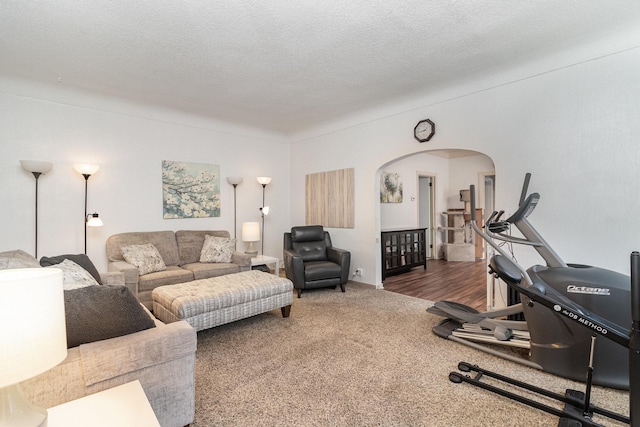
<point>424,130</point>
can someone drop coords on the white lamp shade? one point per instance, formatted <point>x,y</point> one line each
<point>250,231</point>
<point>264,180</point>
<point>33,332</point>
<point>234,180</point>
<point>86,168</point>
<point>36,166</point>
<point>93,220</point>
<point>265,210</point>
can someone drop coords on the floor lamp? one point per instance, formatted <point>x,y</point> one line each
<point>264,210</point>
<point>37,168</point>
<point>235,181</point>
<point>92,220</point>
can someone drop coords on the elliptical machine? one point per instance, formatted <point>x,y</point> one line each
<point>552,298</point>
<point>556,344</point>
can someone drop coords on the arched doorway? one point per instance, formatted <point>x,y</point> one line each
<point>437,176</point>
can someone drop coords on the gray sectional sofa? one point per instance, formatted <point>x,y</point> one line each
<point>180,251</point>
<point>161,357</point>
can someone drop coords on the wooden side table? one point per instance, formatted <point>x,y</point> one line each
<point>264,260</point>
<point>122,406</point>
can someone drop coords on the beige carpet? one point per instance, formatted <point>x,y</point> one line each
<point>363,358</point>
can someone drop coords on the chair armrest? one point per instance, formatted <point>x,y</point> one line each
<point>242,259</point>
<point>294,266</point>
<point>112,278</point>
<point>341,257</point>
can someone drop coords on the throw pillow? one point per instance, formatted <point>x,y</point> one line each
<point>217,249</point>
<point>95,313</point>
<point>17,259</point>
<point>145,258</point>
<point>81,259</point>
<point>74,276</point>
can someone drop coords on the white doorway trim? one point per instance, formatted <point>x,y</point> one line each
<point>431,215</point>
<point>487,202</point>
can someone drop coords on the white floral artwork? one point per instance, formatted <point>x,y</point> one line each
<point>190,190</point>
<point>390,187</point>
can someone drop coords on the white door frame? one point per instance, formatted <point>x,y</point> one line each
<point>492,283</point>
<point>431,250</point>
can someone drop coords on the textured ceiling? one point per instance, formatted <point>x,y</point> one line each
<point>287,65</point>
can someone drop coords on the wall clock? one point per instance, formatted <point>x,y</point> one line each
<point>424,130</point>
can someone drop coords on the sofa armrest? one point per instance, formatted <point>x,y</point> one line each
<point>242,259</point>
<point>112,278</point>
<point>294,267</point>
<point>341,257</point>
<point>131,274</point>
<point>88,364</point>
<point>111,358</point>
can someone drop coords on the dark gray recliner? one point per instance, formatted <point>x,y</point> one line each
<point>311,261</point>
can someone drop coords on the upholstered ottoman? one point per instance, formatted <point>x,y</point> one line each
<point>218,300</point>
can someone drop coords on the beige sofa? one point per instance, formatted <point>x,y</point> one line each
<point>180,251</point>
<point>161,358</point>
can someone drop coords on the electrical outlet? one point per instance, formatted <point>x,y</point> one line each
<point>359,272</point>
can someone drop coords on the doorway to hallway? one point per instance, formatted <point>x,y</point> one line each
<point>463,282</point>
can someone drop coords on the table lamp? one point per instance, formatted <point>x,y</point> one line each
<point>33,336</point>
<point>251,233</point>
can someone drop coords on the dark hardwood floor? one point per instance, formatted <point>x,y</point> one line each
<point>463,282</point>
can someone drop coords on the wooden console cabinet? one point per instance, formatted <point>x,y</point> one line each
<point>403,250</point>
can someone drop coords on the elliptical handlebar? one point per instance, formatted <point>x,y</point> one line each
<point>525,209</point>
<point>496,228</point>
<point>525,188</point>
<point>489,237</point>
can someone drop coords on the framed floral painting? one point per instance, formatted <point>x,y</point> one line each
<point>190,190</point>
<point>390,187</point>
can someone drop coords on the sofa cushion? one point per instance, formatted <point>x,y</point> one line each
<point>74,276</point>
<point>164,241</point>
<point>217,249</point>
<point>204,270</point>
<point>81,259</point>
<point>95,313</point>
<point>17,259</point>
<point>172,275</point>
<point>145,258</point>
<point>190,243</point>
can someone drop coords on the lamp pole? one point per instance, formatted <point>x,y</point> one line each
<point>37,168</point>
<point>86,183</point>
<point>264,210</point>
<point>36,175</point>
<point>262,213</point>
<point>235,180</point>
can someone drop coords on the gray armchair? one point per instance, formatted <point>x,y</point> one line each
<point>311,261</point>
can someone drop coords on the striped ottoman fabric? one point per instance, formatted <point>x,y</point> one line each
<point>218,300</point>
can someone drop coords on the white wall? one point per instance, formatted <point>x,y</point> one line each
<point>129,143</point>
<point>575,128</point>
<point>405,214</point>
